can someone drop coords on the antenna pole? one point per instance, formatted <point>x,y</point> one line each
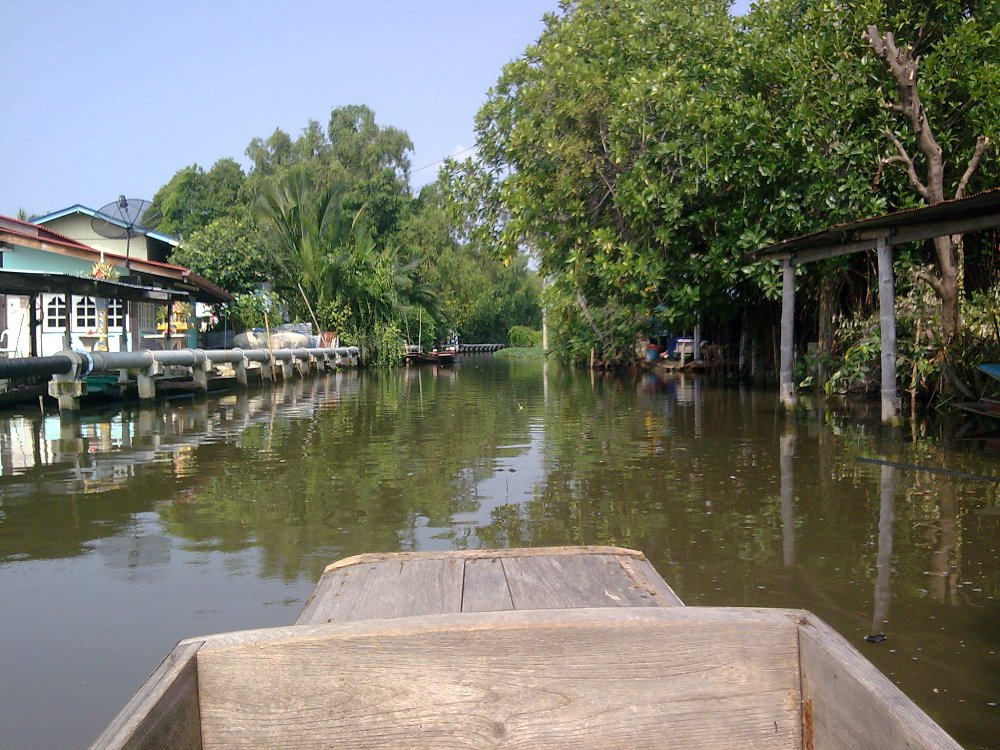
<point>123,208</point>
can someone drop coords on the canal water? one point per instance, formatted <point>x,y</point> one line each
<point>131,529</point>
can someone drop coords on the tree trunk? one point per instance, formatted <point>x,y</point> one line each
<point>903,67</point>
<point>948,287</point>
<point>827,297</point>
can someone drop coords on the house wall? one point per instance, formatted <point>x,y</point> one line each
<point>52,339</point>
<point>21,258</point>
<point>77,227</point>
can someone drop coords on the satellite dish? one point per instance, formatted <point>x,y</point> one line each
<point>124,219</point>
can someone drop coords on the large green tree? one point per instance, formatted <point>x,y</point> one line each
<point>608,148</point>
<point>194,198</point>
<point>230,252</point>
<point>328,219</point>
<point>639,149</point>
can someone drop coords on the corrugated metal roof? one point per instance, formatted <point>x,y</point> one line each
<point>81,209</point>
<point>974,210</point>
<point>11,230</point>
<point>39,282</point>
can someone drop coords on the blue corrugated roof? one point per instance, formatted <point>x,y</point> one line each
<point>81,209</point>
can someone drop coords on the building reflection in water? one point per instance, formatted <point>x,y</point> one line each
<point>98,451</point>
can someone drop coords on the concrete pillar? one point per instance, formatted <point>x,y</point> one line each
<point>199,372</point>
<point>286,369</point>
<point>786,388</point>
<point>887,314</point>
<point>240,368</point>
<point>66,392</point>
<point>267,369</point>
<point>147,386</point>
<point>67,388</point>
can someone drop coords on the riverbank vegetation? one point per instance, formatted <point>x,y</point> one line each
<point>638,151</point>
<point>324,228</point>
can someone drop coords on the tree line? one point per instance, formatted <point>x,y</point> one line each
<point>639,149</point>
<point>325,228</point>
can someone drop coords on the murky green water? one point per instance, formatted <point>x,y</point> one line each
<point>127,531</point>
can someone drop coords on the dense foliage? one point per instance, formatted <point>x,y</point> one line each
<point>323,228</point>
<point>639,150</point>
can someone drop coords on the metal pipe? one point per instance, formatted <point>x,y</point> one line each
<point>108,361</point>
<point>94,362</point>
<point>27,367</point>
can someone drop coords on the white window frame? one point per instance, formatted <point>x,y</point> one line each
<point>116,314</point>
<point>55,312</point>
<point>85,314</point>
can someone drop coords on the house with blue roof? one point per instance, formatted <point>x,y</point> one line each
<point>75,222</point>
<point>63,291</point>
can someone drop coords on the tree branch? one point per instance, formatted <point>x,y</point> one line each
<point>932,281</point>
<point>982,142</point>
<point>911,171</point>
<point>903,68</point>
<point>581,300</point>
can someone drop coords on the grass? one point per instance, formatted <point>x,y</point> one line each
<point>521,352</point>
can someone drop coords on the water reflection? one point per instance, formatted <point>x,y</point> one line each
<point>220,513</point>
<point>883,561</point>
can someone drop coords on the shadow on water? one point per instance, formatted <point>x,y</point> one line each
<point>126,530</point>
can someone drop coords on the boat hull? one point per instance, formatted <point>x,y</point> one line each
<point>553,647</point>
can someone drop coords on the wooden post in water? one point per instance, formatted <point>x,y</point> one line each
<point>786,388</point>
<point>887,310</point>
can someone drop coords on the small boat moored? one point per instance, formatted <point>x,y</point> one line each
<point>415,355</point>
<point>570,647</point>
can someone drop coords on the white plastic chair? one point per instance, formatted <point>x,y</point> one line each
<point>5,348</point>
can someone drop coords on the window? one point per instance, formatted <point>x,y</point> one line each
<point>55,314</point>
<point>147,317</point>
<point>116,314</point>
<point>85,314</point>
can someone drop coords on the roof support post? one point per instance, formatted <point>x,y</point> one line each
<point>33,324</point>
<point>786,389</point>
<point>887,310</point>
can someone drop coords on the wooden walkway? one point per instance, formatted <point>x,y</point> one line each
<point>405,584</point>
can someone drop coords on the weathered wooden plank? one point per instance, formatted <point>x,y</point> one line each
<point>646,577</point>
<point>322,599</point>
<point>610,678</point>
<point>847,704</point>
<point>566,581</point>
<point>165,711</point>
<point>398,589</point>
<point>357,587</point>
<point>485,588</point>
<point>475,554</point>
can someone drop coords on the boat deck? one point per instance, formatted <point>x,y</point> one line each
<point>405,584</point>
<point>567,647</point>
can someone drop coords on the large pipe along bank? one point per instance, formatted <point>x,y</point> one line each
<point>68,368</point>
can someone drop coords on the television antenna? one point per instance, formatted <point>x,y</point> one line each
<point>124,219</point>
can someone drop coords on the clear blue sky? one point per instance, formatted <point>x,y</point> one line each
<point>103,97</point>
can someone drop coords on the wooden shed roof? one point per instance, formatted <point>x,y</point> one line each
<point>958,216</point>
<point>36,282</point>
